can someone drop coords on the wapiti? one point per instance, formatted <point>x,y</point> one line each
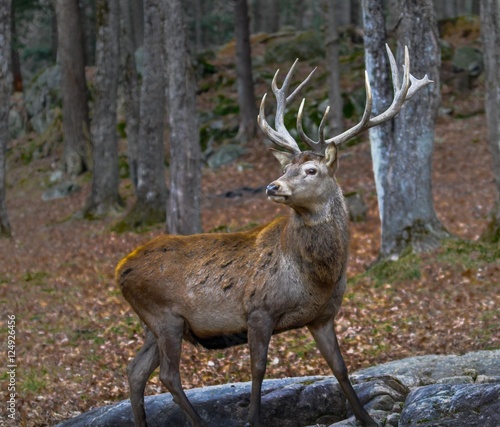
<point>220,290</point>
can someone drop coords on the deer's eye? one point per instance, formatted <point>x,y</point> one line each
<point>311,171</point>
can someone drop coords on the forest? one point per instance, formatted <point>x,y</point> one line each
<point>124,120</point>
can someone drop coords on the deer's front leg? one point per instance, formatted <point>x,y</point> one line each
<point>326,339</point>
<point>260,330</point>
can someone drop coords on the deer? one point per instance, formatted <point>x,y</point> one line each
<point>218,290</point>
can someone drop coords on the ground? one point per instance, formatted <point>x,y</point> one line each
<point>75,333</point>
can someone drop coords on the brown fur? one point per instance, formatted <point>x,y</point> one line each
<point>220,290</point>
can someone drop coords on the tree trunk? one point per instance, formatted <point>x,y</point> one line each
<point>88,17</point>
<point>273,15</point>
<point>246,95</point>
<point>343,13</point>
<point>73,87</point>
<point>333,65</point>
<point>183,215</point>
<point>402,161</point>
<point>16,64</point>
<point>300,8</point>
<point>137,11</point>
<point>258,16</point>
<point>131,86</point>
<point>104,198</point>
<point>490,30</point>
<point>5,91</point>
<point>150,206</point>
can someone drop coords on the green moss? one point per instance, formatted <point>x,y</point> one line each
<point>407,267</point>
<point>469,254</point>
<point>140,219</point>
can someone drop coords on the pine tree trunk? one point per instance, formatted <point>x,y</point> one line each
<point>150,206</point>
<point>246,95</point>
<point>104,198</point>
<point>333,65</point>
<point>183,214</point>
<point>131,86</point>
<point>5,91</point>
<point>490,30</point>
<point>73,87</point>
<point>402,149</point>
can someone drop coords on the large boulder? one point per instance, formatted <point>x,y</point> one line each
<point>42,96</point>
<point>458,391</point>
<point>472,405</point>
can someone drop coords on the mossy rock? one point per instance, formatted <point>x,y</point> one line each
<point>306,46</point>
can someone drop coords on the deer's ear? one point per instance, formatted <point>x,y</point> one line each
<point>283,157</point>
<point>331,158</point>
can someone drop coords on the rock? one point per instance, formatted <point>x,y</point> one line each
<point>423,370</point>
<point>468,59</point>
<point>224,155</point>
<point>356,206</point>
<point>293,401</point>
<point>457,401</point>
<point>16,124</point>
<point>60,190</point>
<point>42,96</point>
<point>467,64</point>
<point>475,405</point>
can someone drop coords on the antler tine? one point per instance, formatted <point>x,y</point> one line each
<point>363,124</point>
<point>281,136</point>
<point>317,146</point>
<point>284,141</point>
<point>402,93</point>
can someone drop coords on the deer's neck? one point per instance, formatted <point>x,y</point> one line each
<point>319,241</point>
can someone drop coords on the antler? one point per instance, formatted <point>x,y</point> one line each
<point>402,93</point>
<point>281,137</point>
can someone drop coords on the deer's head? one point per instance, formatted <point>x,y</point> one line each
<point>308,175</point>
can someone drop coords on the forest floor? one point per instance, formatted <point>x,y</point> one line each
<point>75,333</point>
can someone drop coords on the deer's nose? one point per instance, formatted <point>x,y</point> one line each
<point>272,188</point>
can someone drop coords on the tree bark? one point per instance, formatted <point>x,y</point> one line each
<point>88,17</point>
<point>490,31</point>
<point>73,87</point>
<point>258,16</point>
<point>183,214</point>
<point>246,95</point>
<point>131,86</point>
<point>273,15</point>
<point>150,206</point>
<point>402,150</point>
<point>16,64</point>
<point>333,65</point>
<point>5,92</point>
<point>104,198</point>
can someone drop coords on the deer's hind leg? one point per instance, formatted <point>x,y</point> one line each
<point>326,339</point>
<point>138,372</point>
<point>170,344</point>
